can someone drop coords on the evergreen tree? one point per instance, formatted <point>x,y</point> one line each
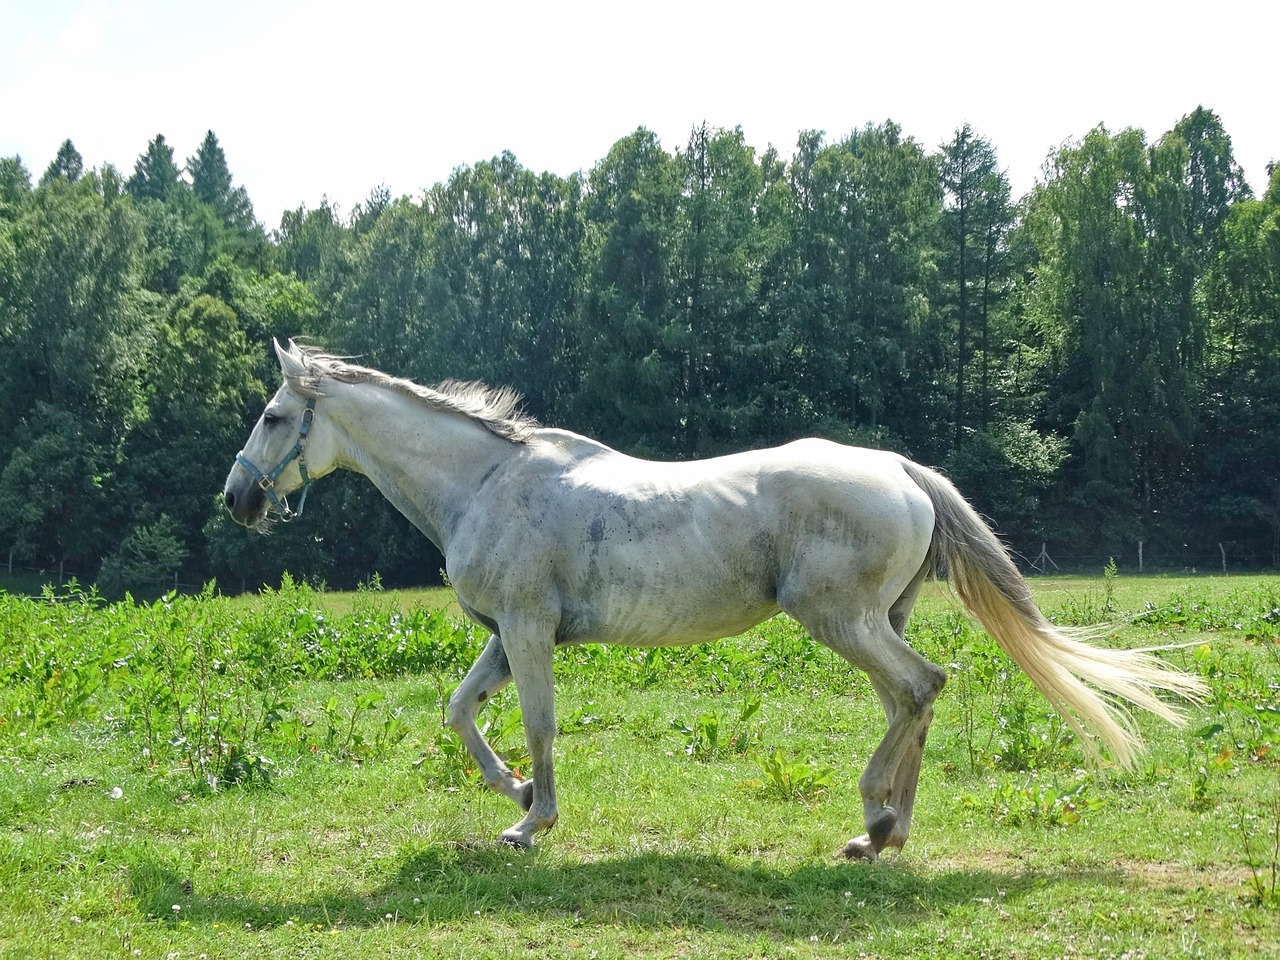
<point>67,164</point>
<point>155,175</point>
<point>210,176</point>
<point>977,218</point>
<point>211,183</point>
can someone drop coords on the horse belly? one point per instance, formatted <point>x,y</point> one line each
<point>666,592</point>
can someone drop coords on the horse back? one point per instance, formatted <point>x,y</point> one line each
<point>644,552</point>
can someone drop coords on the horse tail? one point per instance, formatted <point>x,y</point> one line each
<point>1081,680</point>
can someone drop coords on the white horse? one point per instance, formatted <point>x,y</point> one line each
<point>551,538</point>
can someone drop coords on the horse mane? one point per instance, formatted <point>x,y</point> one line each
<point>495,409</point>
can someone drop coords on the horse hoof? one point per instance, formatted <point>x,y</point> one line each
<point>513,838</point>
<point>860,848</point>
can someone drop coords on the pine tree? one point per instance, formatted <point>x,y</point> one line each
<point>67,164</point>
<point>155,175</point>
<point>976,219</point>
<point>211,183</point>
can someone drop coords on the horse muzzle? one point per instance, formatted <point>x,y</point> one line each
<point>244,499</point>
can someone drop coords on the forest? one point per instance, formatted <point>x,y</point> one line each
<point>1096,364</point>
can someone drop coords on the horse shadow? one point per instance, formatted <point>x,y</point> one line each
<point>657,890</point>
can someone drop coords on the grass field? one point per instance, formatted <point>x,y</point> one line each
<point>269,777</point>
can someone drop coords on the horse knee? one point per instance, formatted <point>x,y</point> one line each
<point>462,710</point>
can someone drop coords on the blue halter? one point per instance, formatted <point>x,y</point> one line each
<point>267,481</point>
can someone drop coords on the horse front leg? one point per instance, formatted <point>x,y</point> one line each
<point>488,675</point>
<point>529,652</point>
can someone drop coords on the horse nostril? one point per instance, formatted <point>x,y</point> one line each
<point>230,499</point>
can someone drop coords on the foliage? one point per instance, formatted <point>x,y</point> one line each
<point>789,779</point>
<point>1034,803</point>
<point>1006,468</point>
<point>710,734</point>
<point>1003,722</point>
<point>148,555</point>
<point>1095,363</point>
<point>1110,221</point>
<point>211,690</point>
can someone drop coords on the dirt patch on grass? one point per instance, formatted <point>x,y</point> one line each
<point>1154,874</point>
<point>1180,876</point>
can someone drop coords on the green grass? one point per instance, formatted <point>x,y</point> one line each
<point>361,831</point>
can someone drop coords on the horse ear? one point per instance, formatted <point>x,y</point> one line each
<point>290,361</point>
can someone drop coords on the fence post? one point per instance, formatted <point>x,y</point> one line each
<point>1222,550</point>
<point>1139,556</point>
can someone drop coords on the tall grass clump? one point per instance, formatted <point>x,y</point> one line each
<point>208,685</point>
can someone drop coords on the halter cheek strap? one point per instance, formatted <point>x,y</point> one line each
<point>267,480</point>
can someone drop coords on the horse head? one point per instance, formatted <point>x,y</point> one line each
<point>286,451</point>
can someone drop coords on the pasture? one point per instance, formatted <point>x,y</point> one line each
<point>270,776</point>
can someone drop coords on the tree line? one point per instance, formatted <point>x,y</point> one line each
<point>1096,364</point>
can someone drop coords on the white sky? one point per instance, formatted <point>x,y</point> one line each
<point>320,98</point>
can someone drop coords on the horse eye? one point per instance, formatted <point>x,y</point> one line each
<point>270,419</point>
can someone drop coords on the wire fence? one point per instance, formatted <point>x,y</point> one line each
<point>23,578</point>
<point>1139,559</point>
<point>32,579</point>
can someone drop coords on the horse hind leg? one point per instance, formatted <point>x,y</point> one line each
<point>892,826</point>
<point>906,778</point>
<point>906,685</point>
<point>900,612</point>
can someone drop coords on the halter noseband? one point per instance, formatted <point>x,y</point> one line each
<point>267,481</point>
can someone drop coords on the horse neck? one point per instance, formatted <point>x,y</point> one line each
<point>427,462</point>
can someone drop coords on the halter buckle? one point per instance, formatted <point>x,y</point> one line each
<point>267,480</point>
